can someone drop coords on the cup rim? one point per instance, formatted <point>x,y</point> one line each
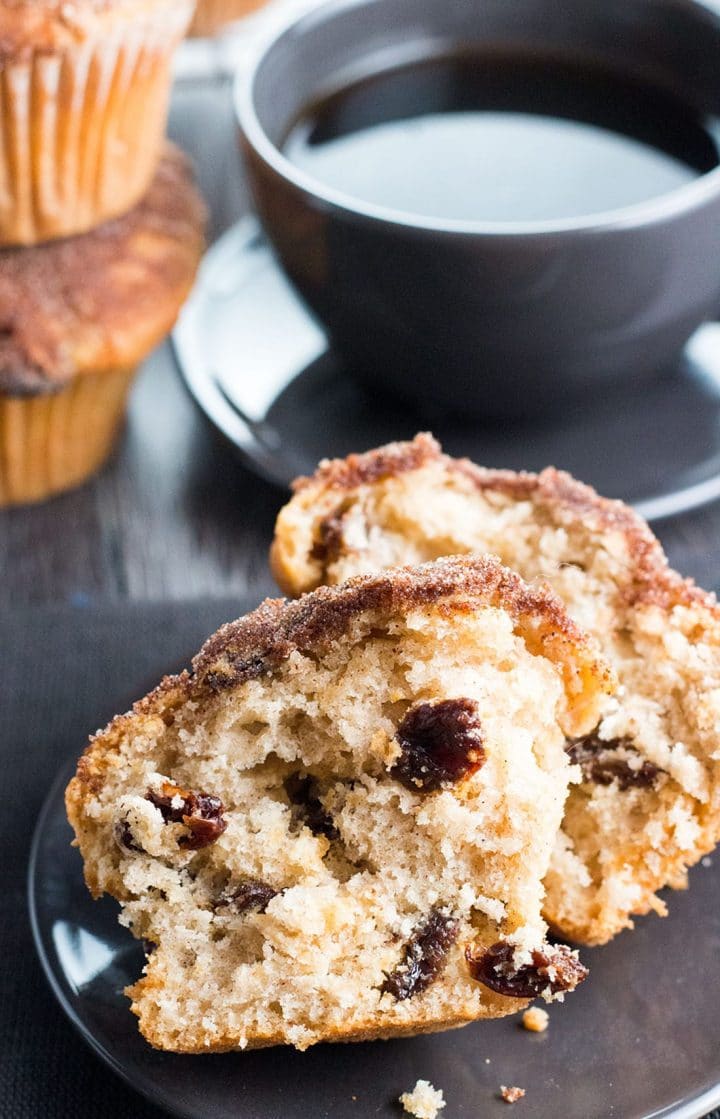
<point>663,207</point>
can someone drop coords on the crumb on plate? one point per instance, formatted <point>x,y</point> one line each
<point>511,1095</point>
<point>536,1019</point>
<point>424,1102</point>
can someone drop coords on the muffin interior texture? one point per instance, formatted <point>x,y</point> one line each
<point>325,849</point>
<point>647,805</point>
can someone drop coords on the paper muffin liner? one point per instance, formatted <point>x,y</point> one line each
<point>53,442</point>
<point>81,130</point>
<point>211,15</point>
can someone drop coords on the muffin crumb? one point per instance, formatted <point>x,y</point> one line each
<point>424,1102</point>
<point>511,1095</point>
<point>536,1019</point>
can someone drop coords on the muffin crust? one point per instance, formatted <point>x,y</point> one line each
<point>101,300</point>
<point>30,27</point>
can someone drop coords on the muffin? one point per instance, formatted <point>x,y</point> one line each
<point>648,803</point>
<point>84,89</point>
<point>337,826</point>
<point>76,318</point>
<point>211,15</point>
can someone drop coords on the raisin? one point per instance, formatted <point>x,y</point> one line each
<point>249,894</point>
<point>205,823</point>
<point>554,968</point>
<point>328,546</point>
<point>603,762</point>
<point>226,675</point>
<point>124,836</point>
<point>171,814</point>
<point>303,793</point>
<point>329,541</point>
<point>425,956</point>
<point>441,744</point>
<point>201,814</point>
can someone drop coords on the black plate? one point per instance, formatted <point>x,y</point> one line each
<point>637,1040</point>
<point>260,369</point>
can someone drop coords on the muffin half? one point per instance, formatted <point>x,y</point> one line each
<point>84,90</point>
<point>648,805</point>
<point>76,318</point>
<point>337,826</point>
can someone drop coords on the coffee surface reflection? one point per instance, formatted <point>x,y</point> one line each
<point>496,138</point>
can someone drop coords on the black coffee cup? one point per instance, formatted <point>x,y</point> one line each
<point>475,317</point>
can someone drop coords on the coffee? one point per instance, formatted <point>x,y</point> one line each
<point>495,138</point>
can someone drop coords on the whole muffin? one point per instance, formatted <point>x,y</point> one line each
<point>76,318</point>
<point>84,88</point>
<point>211,15</point>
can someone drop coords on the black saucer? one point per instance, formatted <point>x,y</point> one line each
<point>260,369</point>
<point>637,1041</point>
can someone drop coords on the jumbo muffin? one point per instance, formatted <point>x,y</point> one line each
<point>211,15</point>
<point>84,88</point>
<point>76,318</point>
<point>336,827</point>
<point>648,805</point>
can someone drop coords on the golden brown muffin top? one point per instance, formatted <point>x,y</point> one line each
<point>104,299</point>
<point>49,26</point>
<point>649,579</point>
<point>259,643</point>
